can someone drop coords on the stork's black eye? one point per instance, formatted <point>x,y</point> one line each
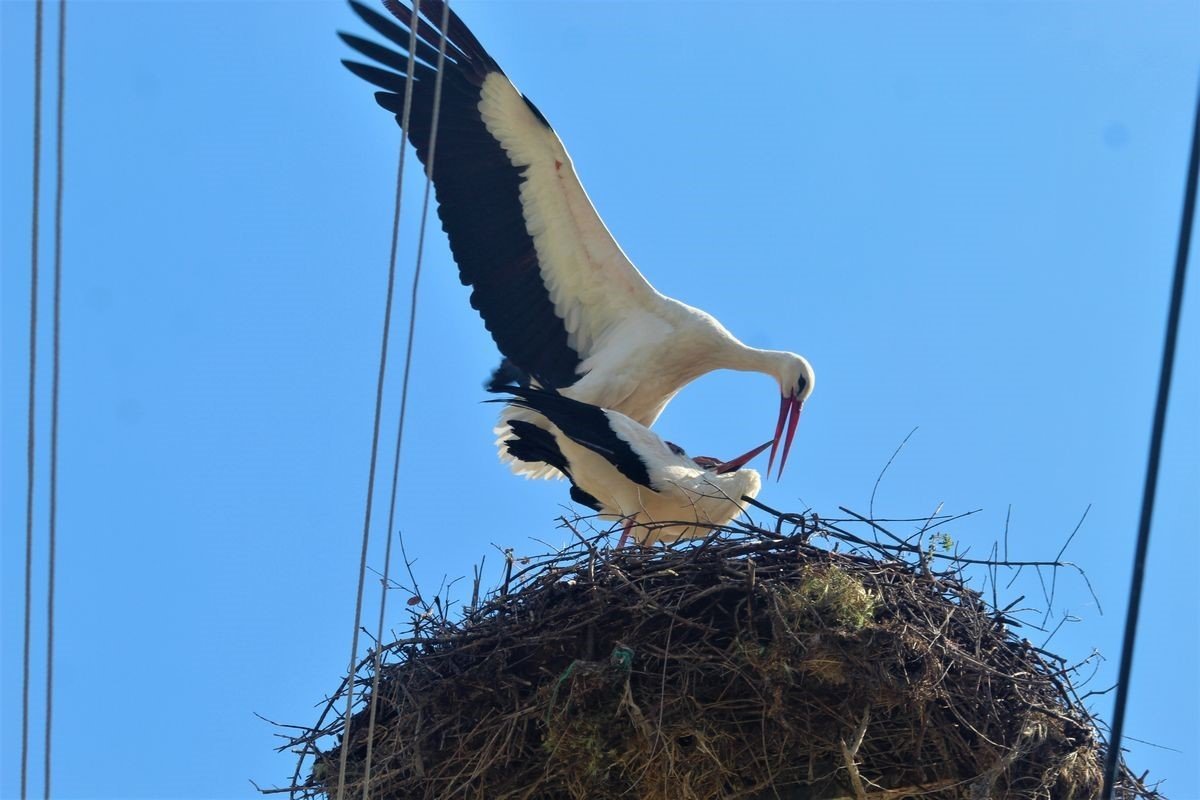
<point>676,449</point>
<point>801,386</point>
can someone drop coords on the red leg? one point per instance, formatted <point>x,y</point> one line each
<point>625,533</point>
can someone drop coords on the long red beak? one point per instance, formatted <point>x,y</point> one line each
<point>789,409</point>
<point>742,460</point>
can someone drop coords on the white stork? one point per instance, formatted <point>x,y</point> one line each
<point>563,303</point>
<point>625,471</point>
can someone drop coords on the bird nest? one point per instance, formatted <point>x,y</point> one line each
<point>754,664</point>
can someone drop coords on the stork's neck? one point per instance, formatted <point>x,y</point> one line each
<point>750,359</point>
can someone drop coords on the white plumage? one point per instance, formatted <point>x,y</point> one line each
<point>562,301</point>
<point>625,471</point>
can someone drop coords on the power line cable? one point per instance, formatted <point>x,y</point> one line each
<point>405,114</point>
<point>54,387</point>
<point>408,353</point>
<point>1113,757</point>
<point>348,716</point>
<point>408,364</point>
<point>30,461</point>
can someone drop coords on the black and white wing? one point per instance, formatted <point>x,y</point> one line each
<point>546,275</point>
<point>631,448</point>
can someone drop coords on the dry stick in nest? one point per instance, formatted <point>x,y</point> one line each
<point>753,655</point>
<point>850,751</point>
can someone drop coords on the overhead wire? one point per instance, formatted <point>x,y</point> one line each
<point>405,115</point>
<point>1113,757</point>
<point>406,112</point>
<point>30,460</point>
<point>408,353</point>
<point>54,389</point>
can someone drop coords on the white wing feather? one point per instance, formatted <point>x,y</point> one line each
<point>591,282</point>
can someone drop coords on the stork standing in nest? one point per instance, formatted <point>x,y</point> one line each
<point>562,301</point>
<point>625,471</point>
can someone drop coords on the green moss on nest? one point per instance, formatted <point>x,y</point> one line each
<point>836,598</point>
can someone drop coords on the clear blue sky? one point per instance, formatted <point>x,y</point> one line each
<point>964,214</point>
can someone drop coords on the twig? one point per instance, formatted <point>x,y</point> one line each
<point>875,488</point>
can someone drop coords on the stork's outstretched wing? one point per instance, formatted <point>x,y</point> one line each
<point>546,275</point>
<point>605,433</point>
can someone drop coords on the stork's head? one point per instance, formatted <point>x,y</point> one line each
<point>721,467</point>
<point>796,381</point>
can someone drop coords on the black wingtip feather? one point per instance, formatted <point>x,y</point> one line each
<point>586,425</point>
<point>376,76</point>
<point>390,101</point>
<point>379,23</point>
<point>432,34</point>
<point>506,376</point>
<point>457,30</point>
<point>585,499</point>
<point>378,53</point>
<point>533,444</point>
<point>477,184</point>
